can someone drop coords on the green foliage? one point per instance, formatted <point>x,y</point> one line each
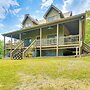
<point>88,13</point>
<point>1,49</point>
<point>87,35</point>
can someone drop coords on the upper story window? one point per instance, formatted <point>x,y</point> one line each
<point>53,18</point>
<point>28,25</point>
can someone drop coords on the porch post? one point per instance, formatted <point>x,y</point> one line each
<point>4,47</point>
<point>80,36</point>
<point>11,48</point>
<point>40,41</point>
<point>76,51</point>
<point>20,36</point>
<point>57,39</point>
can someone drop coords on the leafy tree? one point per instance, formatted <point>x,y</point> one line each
<point>87,36</point>
<point>88,13</point>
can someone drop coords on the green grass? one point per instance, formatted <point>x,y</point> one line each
<point>12,73</point>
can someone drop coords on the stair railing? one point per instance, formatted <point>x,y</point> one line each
<point>28,50</point>
<point>19,46</point>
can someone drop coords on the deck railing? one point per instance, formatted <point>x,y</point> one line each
<point>71,39</point>
<point>8,45</point>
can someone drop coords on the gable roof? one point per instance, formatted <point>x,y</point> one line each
<point>67,14</point>
<point>55,8</point>
<point>32,19</point>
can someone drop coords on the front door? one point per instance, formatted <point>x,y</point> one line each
<point>27,42</point>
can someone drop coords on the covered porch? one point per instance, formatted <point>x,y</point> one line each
<point>59,35</point>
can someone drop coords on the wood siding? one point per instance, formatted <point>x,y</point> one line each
<point>53,13</point>
<point>27,22</point>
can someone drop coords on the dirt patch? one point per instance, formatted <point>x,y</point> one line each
<point>43,82</point>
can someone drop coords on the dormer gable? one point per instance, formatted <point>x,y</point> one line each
<point>29,21</point>
<point>53,13</point>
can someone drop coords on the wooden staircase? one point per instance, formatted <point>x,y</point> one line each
<point>16,54</point>
<point>86,48</point>
<point>20,51</point>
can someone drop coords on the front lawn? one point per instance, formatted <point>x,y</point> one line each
<point>45,74</point>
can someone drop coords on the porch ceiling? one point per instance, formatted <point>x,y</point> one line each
<point>73,27</point>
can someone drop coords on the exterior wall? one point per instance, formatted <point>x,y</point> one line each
<point>31,35</point>
<point>27,22</point>
<point>42,21</point>
<point>53,31</point>
<point>66,31</point>
<point>52,13</point>
<point>45,32</point>
<point>61,34</point>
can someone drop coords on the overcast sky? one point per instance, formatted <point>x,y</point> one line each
<point>12,11</point>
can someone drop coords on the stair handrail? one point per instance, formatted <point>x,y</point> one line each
<point>28,47</point>
<point>20,44</point>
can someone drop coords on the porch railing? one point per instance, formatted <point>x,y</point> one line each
<point>8,45</point>
<point>72,39</point>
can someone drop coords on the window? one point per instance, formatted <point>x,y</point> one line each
<point>27,42</point>
<point>52,18</point>
<point>51,36</point>
<point>28,25</point>
<point>51,39</point>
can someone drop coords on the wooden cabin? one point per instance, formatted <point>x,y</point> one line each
<point>58,34</point>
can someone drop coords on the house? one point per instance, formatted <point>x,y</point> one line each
<point>58,34</point>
